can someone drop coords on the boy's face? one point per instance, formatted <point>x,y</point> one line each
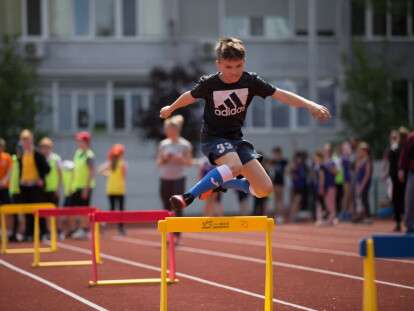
<point>231,69</point>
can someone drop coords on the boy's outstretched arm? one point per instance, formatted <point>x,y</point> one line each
<point>318,111</point>
<point>184,100</point>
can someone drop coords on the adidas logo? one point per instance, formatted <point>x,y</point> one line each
<point>230,106</point>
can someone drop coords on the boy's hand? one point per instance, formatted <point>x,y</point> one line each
<point>165,112</point>
<point>319,112</point>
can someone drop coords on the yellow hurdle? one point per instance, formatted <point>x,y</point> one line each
<point>370,290</point>
<point>217,224</point>
<point>62,263</point>
<point>30,208</point>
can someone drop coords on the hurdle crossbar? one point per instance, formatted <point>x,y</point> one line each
<point>130,217</point>
<point>59,212</point>
<point>217,224</point>
<point>381,246</point>
<point>29,208</point>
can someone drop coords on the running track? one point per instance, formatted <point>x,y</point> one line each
<point>315,268</point>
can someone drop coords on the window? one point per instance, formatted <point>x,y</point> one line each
<point>100,112</point>
<point>237,26</point>
<point>45,117</point>
<point>119,113</point>
<point>129,22</point>
<point>34,17</point>
<point>301,17</point>
<point>258,111</point>
<point>400,98</point>
<point>358,17</point>
<point>379,17</point>
<point>83,116</point>
<point>105,18</point>
<point>303,116</point>
<point>399,22</point>
<point>256,26</point>
<point>60,22</point>
<point>203,12</point>
<point>10,17</point>
<point>412,16</point>
<point>280,114</point>
<point>65,112</point>
<point>81,11</point>
<point>150,18</point>
<point>327,98</point>
<point>136,109</point>
<point>276,27</point>
<point>326,17</point>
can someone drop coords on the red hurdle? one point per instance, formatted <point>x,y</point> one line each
<point>58,212</point>
<point>130,217</point>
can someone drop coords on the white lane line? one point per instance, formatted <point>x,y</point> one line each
<point>260,261</point>
<point>317,250</point>
<point>184,275</point>
<point>52,285</point>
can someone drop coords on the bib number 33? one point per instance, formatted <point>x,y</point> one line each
<point>221,148</point>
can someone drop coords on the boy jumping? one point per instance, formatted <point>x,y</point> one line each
<point>228,94</point>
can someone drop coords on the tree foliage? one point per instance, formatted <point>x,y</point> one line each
<point>18,92</point>
<point>370,111</point>
<point>166,87</point>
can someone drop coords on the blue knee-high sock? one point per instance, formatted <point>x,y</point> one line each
<point>216,177</point>
<point>238,184</point>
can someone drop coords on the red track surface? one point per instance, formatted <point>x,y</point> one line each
<point>314,269</point>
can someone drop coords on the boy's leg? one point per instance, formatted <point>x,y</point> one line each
<point>228,165</point>
<point>260,182</point>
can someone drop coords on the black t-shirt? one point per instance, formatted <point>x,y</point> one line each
<point>227,103</point>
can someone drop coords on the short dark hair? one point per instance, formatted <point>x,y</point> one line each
<point>230,48</point>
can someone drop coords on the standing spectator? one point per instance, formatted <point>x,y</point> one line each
<point>346,153</point>
<point>212,205</point>
<point>174,155</point>
<point>116,169</point>
<point>363,169</point>
<point>298,175</point>
<point>54,178</point>
<point>83,180</point>
<point>329,187</point>
<point>33,168</point>
<point>5,170</point>
<point>406,174</point>
<point>14,191</point>
<point>67,185</point>
<point>339,179</point>
<point>279,167</point>
<point>392,157</point>
<point>318,188</point>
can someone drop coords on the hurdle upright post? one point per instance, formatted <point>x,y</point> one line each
<point>370,291</point>
<point>97,238</point>
<point>53,234</point>
<point>269,267</point>
<point>94,249</point>
<point>36,240</point>
<point>3,233</point>
<point>163,296</point>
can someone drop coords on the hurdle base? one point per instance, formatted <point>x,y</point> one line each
<point>130,282</point>
<point>27,250</point>
<point>63,263</point>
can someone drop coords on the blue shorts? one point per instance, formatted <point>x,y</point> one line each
<point>216,147</point>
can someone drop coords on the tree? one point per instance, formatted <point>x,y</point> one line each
<point>18,91</point>
<point>167,86</point>
<point>369,111</point>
